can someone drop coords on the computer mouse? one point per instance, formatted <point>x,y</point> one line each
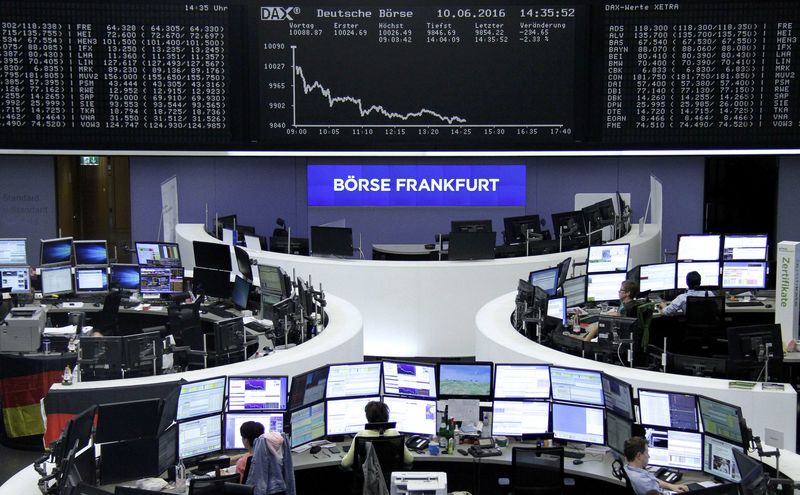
<point>577,461</point>
<point>315,449</point>
<point>97,305</point>
<point>768,305</point>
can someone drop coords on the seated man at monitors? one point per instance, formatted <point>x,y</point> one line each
<point>642,480</point>
<point>628,291</point>
<point>678,305</point>
<point>377,412</point>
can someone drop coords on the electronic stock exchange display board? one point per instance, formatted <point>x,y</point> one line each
<point>399,76</point>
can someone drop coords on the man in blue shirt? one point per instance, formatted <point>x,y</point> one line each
<point>678,305</point>
<point>642,480</point>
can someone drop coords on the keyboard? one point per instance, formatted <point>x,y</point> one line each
<point>574,454</point>
<point>737,304</point>
<point>258,327</point>
<point>485,452</point>
<point>221,312</point>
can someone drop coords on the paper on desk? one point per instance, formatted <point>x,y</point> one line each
<point>60,331</point>
<point>465,410</point>
<point>247,319</point>
<point>707,484</point>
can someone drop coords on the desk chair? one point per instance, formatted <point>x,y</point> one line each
<point>641,338</point>
<point>705,321</point>
<point>238,489</point>
<point>106,320</point>
<point>211,486</point>
<point>389,450</point>
<point>129,490</point>
<point>618,470</point>
<point>537,470</point>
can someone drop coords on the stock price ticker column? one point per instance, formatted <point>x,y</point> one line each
<point>117,75</point>
<point>395,77</point>
<point>702,74</point>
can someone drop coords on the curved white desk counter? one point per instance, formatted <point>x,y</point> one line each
<point>420,308</point>
<point>496,340</point>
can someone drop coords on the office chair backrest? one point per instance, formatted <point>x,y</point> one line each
<point>185,326</point>
<point>77,318</point>
<point>705,310</point>
<point>644,313</point>
<point>389,450</point>
<point>211,486</point>
<point>537,469</point>
<point>618,470</point>
<point>238,489</point>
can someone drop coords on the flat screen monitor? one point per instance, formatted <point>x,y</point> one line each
<point>56,280</point>
<point>91,280</point>
<point>657,277</point>
<point>90,253</point>
<point>17,278</point>
<point>295,245</point>
<point>213,283</point>
<point>158,254</point>
<point>569,224</point>
<point>577,385</point>
<point>353,380</point>
<point>745,247</point>
<point>698,247</point>
<point>332,241</point>
<point>672,410</point>
<point>409,379</point>
<point>213,255</point>
<point>226,221</point>
<point>745,343</point>
<point>414,416</point>
<point>160,280</point>
<point>127,420</point>
<point>557,308</point>
<point>229,335</point>
<point>546,279</point>
<point>719,459</point>
<point>167,449</point>
<point>618,396</point>
<point>308,424</point>
<point>240,292</point>
<point>516,228</point>
<point>608,258</point>
<point>125,277</point>
<point>346,416</point>
<point>600,214</point>
<point>675,449</point>
<point>271,280</point>
<point>106,352</point>
<point>13,252</point>
<point>618,430</point>
<point>576,423</point>
<point>471,246</point>
<point>56,252</point>
<point>79,429</point>
<point>201,398</point>
<point>465,381</point>
<point>257,393</point>
<point>471,226</point>
<point>199,437</point>
<point>721,419</point>
<point>604,286</point>
<point>522,381</point>
<point>308,388</point>
<point>234,421</point>
<point>243,263</point>
<point>752,474</point>
<point>575,291</point>
<point>708,270</point>
<point>744,275</point>
<point>563,270</point>
<point>517,418</point>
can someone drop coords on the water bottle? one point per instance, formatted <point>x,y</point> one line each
<point>46,346</point>
<point>67,376</point>
<point>180,476</point>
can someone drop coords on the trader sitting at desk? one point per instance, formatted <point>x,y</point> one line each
<point>377,412</point>
<point>642,480</point>
<point>628,290</point>
<point>678,305</point>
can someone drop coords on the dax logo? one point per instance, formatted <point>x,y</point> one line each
<point>278,13</point>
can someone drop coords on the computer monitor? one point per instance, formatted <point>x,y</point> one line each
<point>332,241</point>
<point>746,342</point>
<point>160,280</point>
<point>13,252</point>
<point>229,336</point>
<point>577,385</point>
<point>308,424</point>
<point>517,418</point>
<point>167,449</point>
<point>575,291</point>
<point>56,252</point>
<point>465,380</point>
<point>471,226</point>
<point>547,279</point>
<point>721,419</point>
<point>745,247</point>
<point>612,330</point>
<point>353,380</point>
<point>142,352</point>
<point>577,423</point>
<point>657,277</point>
<point>125,277</point>
<point>271,280</point>
<point>201,398</point>
<point>282,244</point>
<point>214,255</point>
<point>200,436</point>
<point>708,270</point>
<point>170,409</point>
<point>243,263</point>
<point>415,416</point>
<point>17,278</point>
<point>56,280</point>
<point>516,228</point>
<point>471,246</point>
<point>600,214</point>
<point>346,416</point>
<point>90,253</point>
<point>697,365</point>
<point>563,270</point>
<point>752,474</point>
<point>409,379</point>
<point>234,421</point>
<point>240,292</point>
<point>91,280</point>
<point>569,224</point>
<point>213,283</point>
<point>618,397</point>
<point>226,221</point>
<point>127,420</point>
<point>602,287</point>
<point>608,258</point>
<point>672,410</point>
<point>257,393</point>
<point>698,247</point>
<point>308,388</point>
<point>158,254</point>
<point>744,275</point>
<point>618,430</point>
<point>105,355</point>
<point>522,381</point>
<point>78,432</point>
<point>557,308</point>
<point>719,459</point>
<point>675,449</point>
